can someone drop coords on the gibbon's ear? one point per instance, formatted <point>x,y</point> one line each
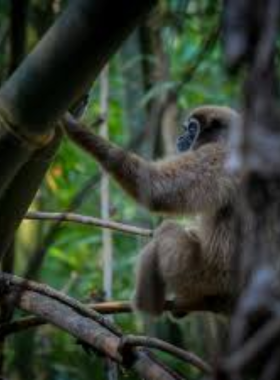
<point>150,289</point>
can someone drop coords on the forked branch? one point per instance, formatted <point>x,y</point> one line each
<point>85,324</point>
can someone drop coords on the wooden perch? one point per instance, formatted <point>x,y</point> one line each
<point>88,220</point>
<point>84,324</point>
<point>105,308</point>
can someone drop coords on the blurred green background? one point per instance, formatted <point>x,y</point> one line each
<point>172,63</point>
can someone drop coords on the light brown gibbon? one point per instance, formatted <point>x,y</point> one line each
<point>193,267</point>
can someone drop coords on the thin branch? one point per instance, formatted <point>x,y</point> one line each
<point>112,307</point>
<point>158,344</point>
<point>105,308</point>
<point>88,220</point>
<point>87,188</point>
<point>37,257</point>
<point>7,280</point>
<point>20,325</point>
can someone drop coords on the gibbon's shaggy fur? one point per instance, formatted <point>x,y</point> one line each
<point>191,266</point>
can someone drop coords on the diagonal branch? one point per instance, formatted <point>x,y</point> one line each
<point>89,332</point>
<point>70,316</point>
<point>21,285</point>
<point>130,341</point>
<point>88,220</point>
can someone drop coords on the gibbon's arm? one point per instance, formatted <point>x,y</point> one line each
<point>191,182</point>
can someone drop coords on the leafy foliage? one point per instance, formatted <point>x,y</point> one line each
<point>76,252</point>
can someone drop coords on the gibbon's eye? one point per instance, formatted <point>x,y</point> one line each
<point>190,135</point>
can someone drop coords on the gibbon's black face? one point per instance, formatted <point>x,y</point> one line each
<point>204,126</point>
<point>190,135</point>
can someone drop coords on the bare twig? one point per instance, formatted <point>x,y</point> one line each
<point>37,257</point>
<point>111,369</point>
<point>112,307</point>
<point>88,220</point>
<point>158,344</point>
<point>20,324</point>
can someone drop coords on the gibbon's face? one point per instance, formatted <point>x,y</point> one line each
<point>204,125</point>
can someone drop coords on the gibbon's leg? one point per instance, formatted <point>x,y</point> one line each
<point>150,288</point>
<point>171,264</point>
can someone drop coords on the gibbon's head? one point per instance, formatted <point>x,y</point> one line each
<point>206,124</point>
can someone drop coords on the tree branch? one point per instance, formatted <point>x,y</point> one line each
<point>45,85</point>
<point>6,280</point>
<point>109,307</point>
<point>88,220</point>
<point>130,341</point>
<point>79,321</point>
<point>20,324</point>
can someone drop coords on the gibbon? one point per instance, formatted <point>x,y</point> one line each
<point>193,267</point>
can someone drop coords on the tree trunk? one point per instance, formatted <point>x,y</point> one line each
<point>50,79</point>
